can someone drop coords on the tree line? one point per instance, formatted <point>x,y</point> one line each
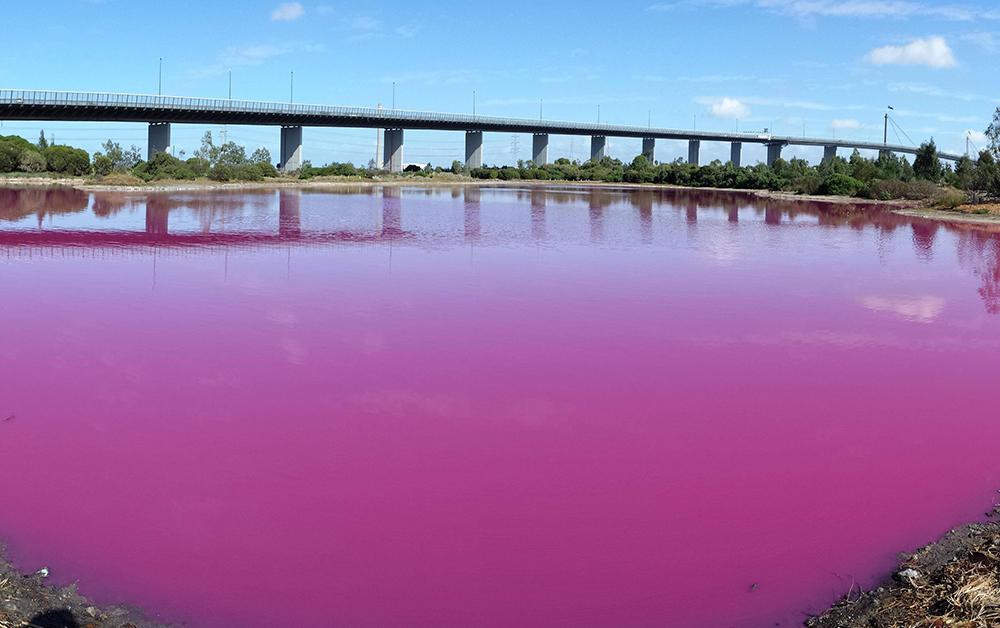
<point>220,162</point>
<point>883,178</point>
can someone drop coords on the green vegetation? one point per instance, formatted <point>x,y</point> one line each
<point>887,177</point>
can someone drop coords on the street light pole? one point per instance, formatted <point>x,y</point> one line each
<point>159,80</point>
<point>291,88</point>
<point>230,85</point>
<point>394,95</point>
<point>885,129</point>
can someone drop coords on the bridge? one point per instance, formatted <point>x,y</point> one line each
<point>162,111</point>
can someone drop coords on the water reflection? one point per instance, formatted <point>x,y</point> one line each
<point>59,219</point>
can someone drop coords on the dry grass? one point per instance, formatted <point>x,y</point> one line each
<point>957,586</point>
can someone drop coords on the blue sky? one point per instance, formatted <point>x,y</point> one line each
<point>820,66</point>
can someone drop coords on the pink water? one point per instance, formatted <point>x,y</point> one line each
<point>437,407</point>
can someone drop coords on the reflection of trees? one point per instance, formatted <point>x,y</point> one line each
<point>979,252</point>
<point>978,244</point>
<point>16,203</point>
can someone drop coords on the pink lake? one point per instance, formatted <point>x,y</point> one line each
<point>495,407</point>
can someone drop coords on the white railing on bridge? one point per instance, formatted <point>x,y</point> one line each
<point>44,98</point>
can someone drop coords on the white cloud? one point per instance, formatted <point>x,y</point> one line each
<point>846,124</point>
<point>288,12</point>
<point>930,90</point>
<point>252,55</point>
<point>919,309</point>
<point>986,41</point>
<point>932,52</point>
<point>729,108</point>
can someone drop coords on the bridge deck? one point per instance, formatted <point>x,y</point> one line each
<point>109,107</point>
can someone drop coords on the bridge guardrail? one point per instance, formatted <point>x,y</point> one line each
<point>45,98</point>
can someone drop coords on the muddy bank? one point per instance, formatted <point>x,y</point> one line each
<point>954,582</point>
<point>26,600</point>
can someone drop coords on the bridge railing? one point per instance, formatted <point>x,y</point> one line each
<point>40,98</point>
<point>142,101</point>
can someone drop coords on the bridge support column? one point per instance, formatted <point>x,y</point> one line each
<point>473,149</point>
<point>598,147</point>
<point>159,139</point>
<point>649,148</point>
<point>393,155</point>
<point>540,149</point>
<point>736,154</point>
<point>291,148</point>
<point>694,151</point>
<point>774,152</point>
<point>829,154</point>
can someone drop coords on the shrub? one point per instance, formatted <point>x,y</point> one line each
<point>222,172</point>
<point>31,161</point>
<point>950,199</point>
<point>103,165</point>
<point>162,166</point>
<point>840,185</point>
<point>67,160</point>
<point>198,166</point>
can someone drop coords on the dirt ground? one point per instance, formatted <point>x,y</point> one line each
<point>27,601</point>
<point>954,583</point>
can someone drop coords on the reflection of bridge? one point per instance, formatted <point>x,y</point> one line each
<point>979,246</point>
<point>161,111</point>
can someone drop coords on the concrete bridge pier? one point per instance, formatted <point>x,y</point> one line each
<point>694,151</point>
<point>473,149</point>
<point>540,149</point>
<point>774,152</point>
<point>392,158</point>
<point>829,154</point>
<point>598,147</point>
<point>159,139</point>
<point>291,148</point>
<point>736,154</point>
<point>649,148</point>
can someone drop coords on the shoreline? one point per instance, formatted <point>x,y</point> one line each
<point>953,581</point>
<point>28,600</point>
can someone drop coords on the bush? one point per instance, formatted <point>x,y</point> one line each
<point>222,172</point>
<point>244,172</point>
<point>840,185</point>
<point>67,160</point>
<point>103,165</point>
<point>951,199</point>
<point>162,166</point>
<point>198,166</point>
<point>31,161</point>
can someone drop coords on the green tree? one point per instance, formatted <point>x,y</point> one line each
<point>993,133</point>
<point>207,151</point>
<point>927,164</point>
<point>42,142</point>
<point>67,160</point>
<point>261,156</point>
<point>457,167</point>
<point>32,161</point>
<point>965,173</point>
